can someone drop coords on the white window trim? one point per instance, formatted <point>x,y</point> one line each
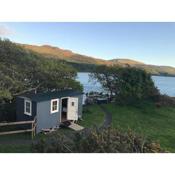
<point>51,111</point>
<point>25,112</point>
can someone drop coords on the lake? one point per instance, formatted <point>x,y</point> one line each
<point>166,85</point>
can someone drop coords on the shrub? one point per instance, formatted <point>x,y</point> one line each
<point>135,85</point>
<point>164,100</point>
<point>114,141</point>
<point>98,141</point>
<point>54,143</point>
<point>8,112</point>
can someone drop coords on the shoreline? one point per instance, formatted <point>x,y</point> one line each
<point>157,75</point>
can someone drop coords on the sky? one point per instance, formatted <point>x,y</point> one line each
<point>151,43</point>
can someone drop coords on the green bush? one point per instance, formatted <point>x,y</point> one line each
<point>54,143</point>
<point>127,85</point>
<point>98,141</point>
<point>135,85</point>
<point>114,141</point>
<point>8,111</point>
<point>164,100</point>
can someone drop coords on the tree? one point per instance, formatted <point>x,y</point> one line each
<point>107,77</point>
<point>21,70</point>
<point>126,84</point>
<point>24,71</point>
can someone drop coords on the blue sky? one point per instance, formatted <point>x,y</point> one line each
<point>152,43</point>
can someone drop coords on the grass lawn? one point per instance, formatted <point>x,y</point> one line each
<point>92,115</point>
<point>15,148</point>
<point>16,143</point>
<point>157,124</point>
<point>21,143</point>
<point>148,120</point>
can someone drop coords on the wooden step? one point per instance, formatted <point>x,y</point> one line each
<point>76,127</point>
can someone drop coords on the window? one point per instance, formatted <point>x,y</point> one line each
<point>73,103</point>
<point>28,107</point>
<point>54,105</point>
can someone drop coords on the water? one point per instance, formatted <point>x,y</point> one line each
<point>87,84</point>
<point>166,85</point>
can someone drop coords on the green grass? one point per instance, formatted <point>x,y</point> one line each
<point>155,123</point>
<point>15,148</point>
<point>22,143</point>
<point>13,137</point>
<point>145,119</point>
<point>92,115</point>
<point>16,143</point>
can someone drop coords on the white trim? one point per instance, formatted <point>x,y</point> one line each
<point>25,112</point>
<point>51,105</point>
<point>74,97</point>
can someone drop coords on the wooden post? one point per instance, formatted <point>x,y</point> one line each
<point>32,130</point>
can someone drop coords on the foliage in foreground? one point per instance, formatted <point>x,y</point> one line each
<point>97,141</point>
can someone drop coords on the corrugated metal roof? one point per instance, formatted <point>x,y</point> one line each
<point>51,95</point>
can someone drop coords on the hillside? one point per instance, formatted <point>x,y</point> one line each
<point>125,61</point>
<point>87,63</point>
<point>55,52</point>
<point>23,71</point>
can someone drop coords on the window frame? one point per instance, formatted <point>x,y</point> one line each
<point>51,106</point>
<point>30,102</point>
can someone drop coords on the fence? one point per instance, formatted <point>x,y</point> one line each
<point>32,130</point>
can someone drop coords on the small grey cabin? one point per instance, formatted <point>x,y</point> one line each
<point>50,109</point>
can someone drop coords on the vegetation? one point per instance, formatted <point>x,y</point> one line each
<point>61,54</point>
<point>126,85</point>
<point>86,63</point>
<point>92,116</point>
<point>15,148</point>
<point>83,67</point>
<point>23,71</point>
<point>16,143</point>
<point>114,141</point>
<point>151,122</point>
<point>145,118</point>
<point>164,100</point>
<point>156,123</point>
<point>97,141</point>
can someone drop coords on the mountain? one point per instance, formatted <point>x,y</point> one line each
<point>67,55</point>
<point>125,61</point>
<point>87,63</point>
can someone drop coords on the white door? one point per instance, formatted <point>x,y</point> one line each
<point>72,111</point>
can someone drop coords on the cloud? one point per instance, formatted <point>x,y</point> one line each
<point>5,31</point>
